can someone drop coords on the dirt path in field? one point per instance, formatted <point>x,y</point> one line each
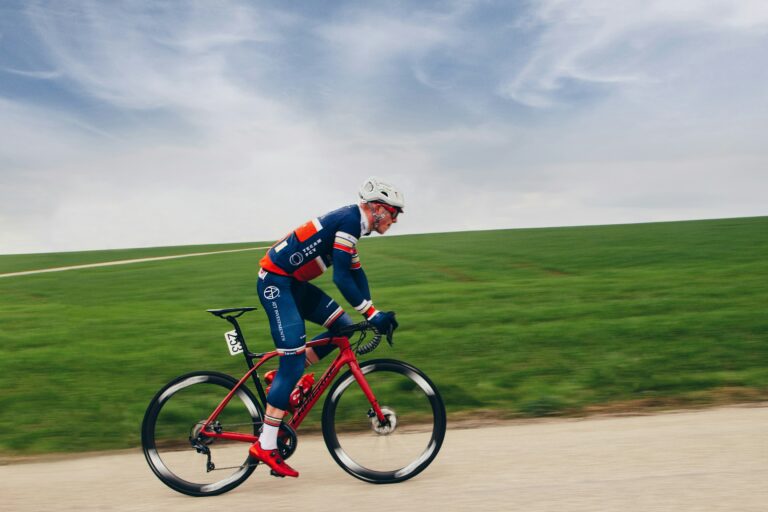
<point>711,460</point>
<point>125,262</point>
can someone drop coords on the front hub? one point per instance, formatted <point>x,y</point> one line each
<point>386,428</point>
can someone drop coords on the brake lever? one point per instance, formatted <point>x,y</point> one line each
<point>390,332</point>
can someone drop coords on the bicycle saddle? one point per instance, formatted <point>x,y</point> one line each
<point>221,312</point>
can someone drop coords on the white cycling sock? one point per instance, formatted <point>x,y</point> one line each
<point>268,437</point>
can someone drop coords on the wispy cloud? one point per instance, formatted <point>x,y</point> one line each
<point>163,57</point>
<point>369,41</point>
<point>41,75</point>
<point>623,42</point>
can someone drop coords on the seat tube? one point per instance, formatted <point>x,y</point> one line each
<point>240,336</point>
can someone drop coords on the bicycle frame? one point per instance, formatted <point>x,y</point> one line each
<point>346,357</point>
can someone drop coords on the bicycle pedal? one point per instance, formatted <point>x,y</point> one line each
<point>275,473</point>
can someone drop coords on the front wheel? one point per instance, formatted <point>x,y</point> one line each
<point>178,454</point>
<point>400,448</point>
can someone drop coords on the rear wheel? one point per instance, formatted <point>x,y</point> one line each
<point>179,455</point>
<point>401,447</point>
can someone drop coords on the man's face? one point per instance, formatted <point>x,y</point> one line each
<point>387,219</point>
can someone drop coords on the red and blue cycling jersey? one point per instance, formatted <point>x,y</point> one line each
<point>330,240</point>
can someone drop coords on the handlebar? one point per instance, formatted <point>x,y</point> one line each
<point>363,328</point>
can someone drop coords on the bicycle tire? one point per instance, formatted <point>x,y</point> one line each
<point>197,394</point>
<point>392,454</point>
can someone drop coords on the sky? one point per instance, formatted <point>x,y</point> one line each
<point>141,123</point>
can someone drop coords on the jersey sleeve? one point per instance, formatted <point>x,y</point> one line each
<point>358,274</point>
<point>348,274</point>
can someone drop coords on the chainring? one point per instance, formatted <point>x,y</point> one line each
<point>286,440</point>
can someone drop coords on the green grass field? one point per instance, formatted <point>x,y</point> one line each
<point>508,323</point>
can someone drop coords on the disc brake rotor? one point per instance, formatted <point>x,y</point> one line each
<point>195,434</point>
<point>388,427</point>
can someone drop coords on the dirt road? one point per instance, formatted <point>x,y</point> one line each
<point>125,262</point>
<point>712,460</point>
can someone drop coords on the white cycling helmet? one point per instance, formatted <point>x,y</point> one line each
<point>375,190</point>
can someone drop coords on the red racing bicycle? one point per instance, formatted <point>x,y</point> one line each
<point>383,420</point>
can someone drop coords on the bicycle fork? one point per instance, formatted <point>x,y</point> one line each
<point>376,411</point>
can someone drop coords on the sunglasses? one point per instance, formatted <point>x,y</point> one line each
<point>394,212</point>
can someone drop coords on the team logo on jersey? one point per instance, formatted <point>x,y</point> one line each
<point>271,292</point>
<point>296,259</point>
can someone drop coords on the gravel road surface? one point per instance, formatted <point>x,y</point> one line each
<point>711,460</point>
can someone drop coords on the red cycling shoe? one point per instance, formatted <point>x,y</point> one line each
<point>273,459</point>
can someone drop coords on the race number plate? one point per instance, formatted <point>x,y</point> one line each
<point>233,344</point>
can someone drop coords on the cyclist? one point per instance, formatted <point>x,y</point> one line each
<point>289,298</point>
